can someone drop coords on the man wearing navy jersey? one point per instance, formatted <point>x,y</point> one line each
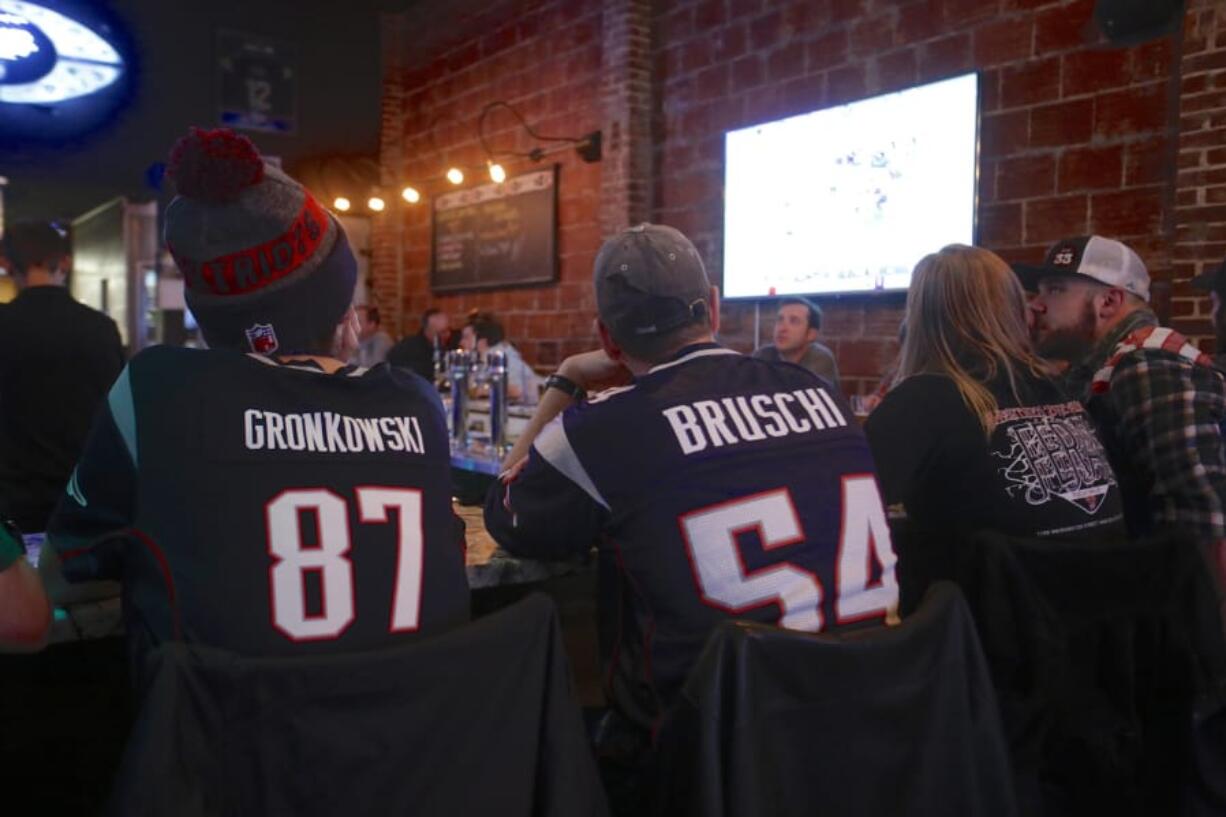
<point>721,486</point>
<point>262,496</point>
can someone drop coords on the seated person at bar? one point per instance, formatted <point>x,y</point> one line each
<point>373,342</point>
<point>25,615</point>
<point>975,434</point>
<point>419,352</point>
<point>1158,400</point>
<point>724,486</point>
<point>484,334</point>
<point>796,326</point>
<point>262,496</point>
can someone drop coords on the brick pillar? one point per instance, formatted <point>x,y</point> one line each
<point>1200,211</point>
<point>626,94</point>
<point>387,229</point>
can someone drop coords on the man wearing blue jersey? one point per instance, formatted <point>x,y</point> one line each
<point>262,496</point>
<point>721,486</point>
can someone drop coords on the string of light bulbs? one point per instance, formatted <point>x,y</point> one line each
<point>588,147</point>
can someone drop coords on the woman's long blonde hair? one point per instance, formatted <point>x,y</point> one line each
<point>966,320</point>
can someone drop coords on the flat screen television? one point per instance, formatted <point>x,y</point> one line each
<point>848,199</point>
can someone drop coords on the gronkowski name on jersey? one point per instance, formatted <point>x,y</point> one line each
<point>268,509</point>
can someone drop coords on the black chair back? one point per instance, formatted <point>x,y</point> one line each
<point>889,720</point>
<point>1109,664</point>
<point>481,721</point>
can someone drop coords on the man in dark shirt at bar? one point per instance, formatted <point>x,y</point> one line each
<point>418,352</point>
<point>796,326</point>
<point>58,358</point>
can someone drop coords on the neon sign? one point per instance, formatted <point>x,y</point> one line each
<point>47,57</point>
<point>15,43</point>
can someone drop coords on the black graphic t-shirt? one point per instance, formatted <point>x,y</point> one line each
<point>1043,472</point>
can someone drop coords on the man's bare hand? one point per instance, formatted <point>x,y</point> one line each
<point>595,370</point>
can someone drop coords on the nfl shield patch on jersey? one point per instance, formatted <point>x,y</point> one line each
<point>263,338</point>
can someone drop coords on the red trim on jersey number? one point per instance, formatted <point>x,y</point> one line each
<point>766,546</point>
<point>870,553</point>
<point>323,585</point>
<point>398,532</point>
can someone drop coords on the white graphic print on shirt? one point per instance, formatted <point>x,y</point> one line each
<point>1052,452</point>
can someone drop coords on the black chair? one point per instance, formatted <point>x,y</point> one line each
<point>481,721</point>
<point>897,721</point>
<point>1109,665</point>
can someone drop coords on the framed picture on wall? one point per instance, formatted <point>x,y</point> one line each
<point>256,83</point>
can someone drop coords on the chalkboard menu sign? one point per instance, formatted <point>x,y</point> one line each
<point>496,235</point>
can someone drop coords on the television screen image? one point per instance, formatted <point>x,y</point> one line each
<point>848,199</point>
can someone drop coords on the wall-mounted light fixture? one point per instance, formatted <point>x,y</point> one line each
<point>587,147</point>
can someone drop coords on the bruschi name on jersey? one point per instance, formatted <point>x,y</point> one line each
<point>750,417</point>
<point>330,433</point>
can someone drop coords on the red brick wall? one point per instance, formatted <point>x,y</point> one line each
<point>1200,208</point>
<point>626,180</point>
<point>387,262</point>
<point>1076,136</point>
<point>545,59</point>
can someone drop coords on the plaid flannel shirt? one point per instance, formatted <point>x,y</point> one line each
<point>1162,415</point>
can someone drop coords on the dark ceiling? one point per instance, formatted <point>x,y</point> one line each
<point>337,67</point>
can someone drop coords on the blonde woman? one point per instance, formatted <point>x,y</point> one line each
<point>975,434</point>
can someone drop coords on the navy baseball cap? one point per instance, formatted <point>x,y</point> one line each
<point>1102,260</point>
<point>650,280</point>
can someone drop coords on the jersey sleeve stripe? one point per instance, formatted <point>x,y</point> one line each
<point>123,411</point>
<point>554,446</point>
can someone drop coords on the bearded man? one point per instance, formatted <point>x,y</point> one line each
<point>1159,402</point>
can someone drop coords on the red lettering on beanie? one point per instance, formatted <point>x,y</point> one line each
<point>256,267</point>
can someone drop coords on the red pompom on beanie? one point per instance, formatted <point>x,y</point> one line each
<point>266,267</point>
